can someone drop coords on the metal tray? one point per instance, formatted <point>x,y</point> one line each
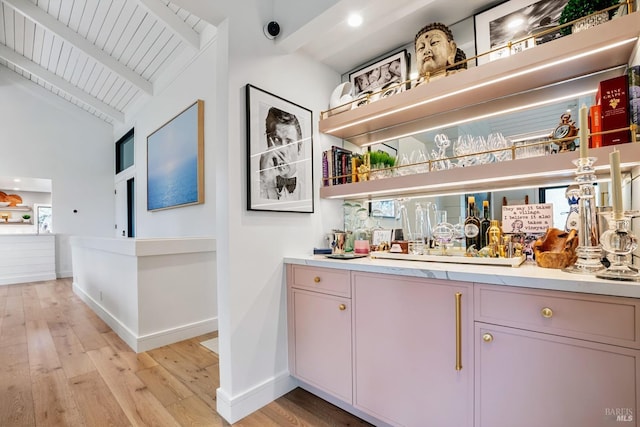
<point>458,259</point>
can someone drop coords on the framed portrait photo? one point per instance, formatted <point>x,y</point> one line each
<point>279,154</point>
<point>381,79</point>
<point>516,20</point>
<point>175,161</point>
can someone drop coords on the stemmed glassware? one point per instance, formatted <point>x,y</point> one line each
<point>458,232</point>
<point>463,149</point>
<point>442,232</point>
<point>443,162</point>
<point>480,147</point>
<point>496,141</point>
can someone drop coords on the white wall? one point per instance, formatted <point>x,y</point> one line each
<point>196,81</point>
<point>44,136</point>
<point>251,245</point>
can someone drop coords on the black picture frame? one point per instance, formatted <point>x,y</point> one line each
<point>388,82</point>
<point>279,153</point>
<point>493,31</point>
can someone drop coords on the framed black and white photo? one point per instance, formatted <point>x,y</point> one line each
<point>381,79</point>
<point>279,154</point>
<point>516,20</point>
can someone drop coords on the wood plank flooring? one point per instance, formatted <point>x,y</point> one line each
<point>61,365</point>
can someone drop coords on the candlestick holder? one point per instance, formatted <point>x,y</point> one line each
<point>588,252</point>
<point>619,242</point>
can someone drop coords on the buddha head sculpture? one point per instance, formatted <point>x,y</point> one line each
<point>436,51</point>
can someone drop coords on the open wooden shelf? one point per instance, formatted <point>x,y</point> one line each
<point>553,169</point>
<point>568,65</point>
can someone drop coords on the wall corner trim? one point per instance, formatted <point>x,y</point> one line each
<point>234,408</point>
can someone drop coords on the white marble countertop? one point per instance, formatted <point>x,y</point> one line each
<point>528,275</point>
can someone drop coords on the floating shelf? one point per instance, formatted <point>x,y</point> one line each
<point>553,169</point>
<point>581,60</point>
<point>15,209</point>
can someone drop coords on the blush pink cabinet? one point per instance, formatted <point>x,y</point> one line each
<point>319,326</point>
<point>548,358</point>
<point>413,350</point>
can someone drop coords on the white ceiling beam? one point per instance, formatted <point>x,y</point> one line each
<point>180,28</point>
<point>40,17</point>
<point>54,80</point>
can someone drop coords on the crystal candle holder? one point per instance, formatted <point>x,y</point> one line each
<point>588,252</point>
<point>619,242</point>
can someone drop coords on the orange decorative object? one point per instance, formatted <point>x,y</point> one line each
<point>556,249</point>
<point>13,199</point>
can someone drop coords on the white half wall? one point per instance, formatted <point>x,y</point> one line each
<point>151,292</point>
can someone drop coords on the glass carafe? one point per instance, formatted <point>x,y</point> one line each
<point>416,241</point>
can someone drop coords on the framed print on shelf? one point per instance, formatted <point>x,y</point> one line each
<point>279,154</point>
<point>383,78</point>
<point>516,20</point>
<point>175,161</point>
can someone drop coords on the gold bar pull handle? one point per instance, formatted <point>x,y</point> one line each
<point>458,331</point>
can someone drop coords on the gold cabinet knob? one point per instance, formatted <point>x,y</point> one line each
<point>487,337</point>
<point>546,312</point>
<point>316,279</point>
<point>342,307</point>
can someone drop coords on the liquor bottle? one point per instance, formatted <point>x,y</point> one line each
<point>494,235</point>
<point>485,223</point>
<point>472,225</point>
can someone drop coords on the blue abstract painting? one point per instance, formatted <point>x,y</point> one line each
<point>173,162</point>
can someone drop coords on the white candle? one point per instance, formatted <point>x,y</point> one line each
<point>616,184</point>
<point>584,128</point>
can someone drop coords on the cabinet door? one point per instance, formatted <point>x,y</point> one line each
<point>405,350</point>
<point>531,379</point>
<point>321,341</point>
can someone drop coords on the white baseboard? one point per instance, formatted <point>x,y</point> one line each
<point>64,274</point>
<point>118,327</point>
<point>235,408</point>
<point>179,333</point>
<point>39,277</point>
<point>147,342</point>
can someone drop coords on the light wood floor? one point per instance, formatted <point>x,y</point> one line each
<point>61,365</point>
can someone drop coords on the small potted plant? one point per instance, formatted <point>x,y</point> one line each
<point>26,218</point>
<point>576,9</point>
<point>381,164</point>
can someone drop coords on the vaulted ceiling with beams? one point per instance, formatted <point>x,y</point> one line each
<point>102,55</point>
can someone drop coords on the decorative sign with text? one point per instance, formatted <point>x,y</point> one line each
<point>532,219</point>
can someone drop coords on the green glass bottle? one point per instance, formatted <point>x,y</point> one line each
<point>485,223</point>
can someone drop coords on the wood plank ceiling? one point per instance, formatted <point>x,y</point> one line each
<point>101,55</point>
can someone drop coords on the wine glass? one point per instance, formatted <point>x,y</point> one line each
<point>443,231</point>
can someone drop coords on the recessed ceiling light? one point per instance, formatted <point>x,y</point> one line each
<point>16,180</point>
<point>354,20</point>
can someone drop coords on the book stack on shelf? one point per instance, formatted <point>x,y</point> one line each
<point>617,106</point>
<point>339,166</point>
